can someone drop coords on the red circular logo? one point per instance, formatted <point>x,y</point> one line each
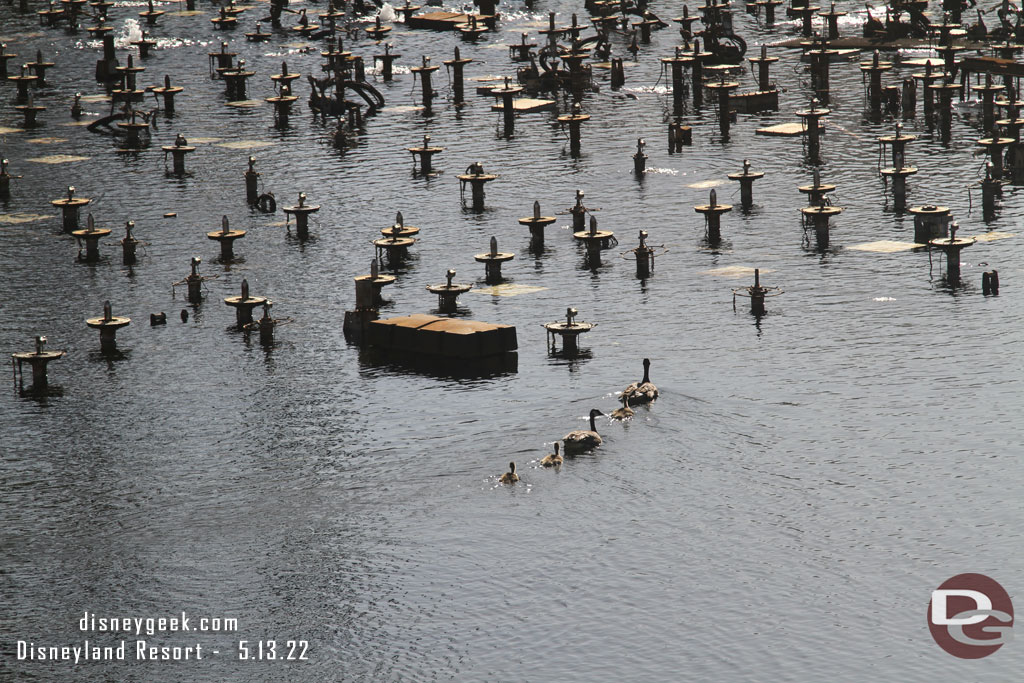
<point>970,616</point>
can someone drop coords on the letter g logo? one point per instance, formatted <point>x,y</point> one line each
<point>977,604</point>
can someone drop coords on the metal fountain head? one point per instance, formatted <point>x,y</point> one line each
<point>180,141</point>
<point>640,144</point>
<point>373,269</point>
<point>816,178</point>
<point>494,246</point>
<point>450,276</point>
<point>399,221</point>
<point>953,227</point>
<point>593,224</point>
<point>107,313</point>
<point>713,198</point>
<point>302,198</point>
<point>536,209</point>
<point>245,289</point>
<point>570,316</point>
<point>643,239</point>
<point>195,264</point>
<point>224,225</point>
<point>746,167</point>
<point>40,343</point>
<point>71,191</point>
<point>128,227</point>
<point>90,224</point>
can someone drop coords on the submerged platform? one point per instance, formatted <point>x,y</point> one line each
<point>445,21</point>
<point>451,338</point>
<point>786,129</point>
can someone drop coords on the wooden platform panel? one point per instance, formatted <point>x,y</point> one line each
<point>443,21</point>
<point>785,130</point>
<point>528,105</point>
<point>862,43</point>
<point>843,55</point>
<point>886,246</point>
<point>750,102</point>
<point>427,335</point>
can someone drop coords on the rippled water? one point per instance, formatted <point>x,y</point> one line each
<point>782,512</point>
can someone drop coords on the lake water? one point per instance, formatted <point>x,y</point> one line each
<point>782,511</point>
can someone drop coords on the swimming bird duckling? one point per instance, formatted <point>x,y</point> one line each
<point>509,477</point>
<point>643,391</point>
<point>625,412</point>
<point>552,459</point>
<point>582,440</point>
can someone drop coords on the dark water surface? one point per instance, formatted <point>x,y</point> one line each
<point>781,513</point>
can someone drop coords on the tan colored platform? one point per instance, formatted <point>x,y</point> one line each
<point>789,130</point>
<point>886,246</point>
<point>734,271</point>
<point>420,334</point>
<point>842,55</point>
<point>527,105</point>
<point>443,21</point>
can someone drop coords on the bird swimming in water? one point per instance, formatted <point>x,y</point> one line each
<point>582,440</point>
<point>552,459</point>
<point>643,391</point>
<point>509,477</point>
<point>625,412</point>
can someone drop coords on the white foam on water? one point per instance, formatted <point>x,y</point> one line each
<point>129,33</point>
<point>387,13</point>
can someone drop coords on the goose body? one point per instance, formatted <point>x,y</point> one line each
<point>553,459</point>
<point>625,412</point>
<point>509,477</point>
<point>643,391</point>
<point>582,440</point>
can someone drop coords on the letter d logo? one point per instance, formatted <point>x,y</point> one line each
<point>939,615</point>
